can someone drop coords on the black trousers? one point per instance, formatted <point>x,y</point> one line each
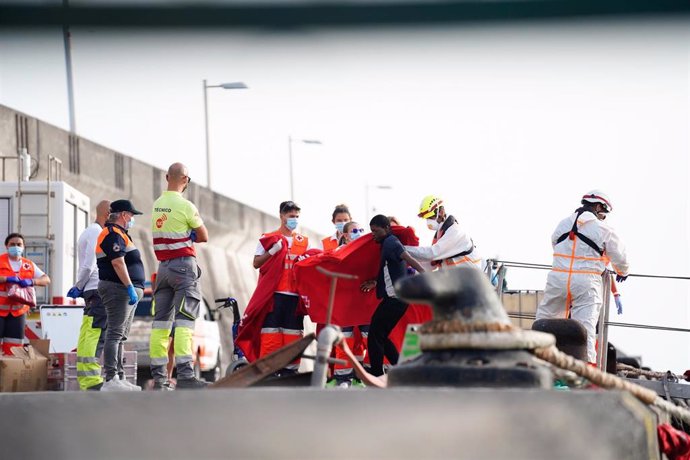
<point>383,321</point>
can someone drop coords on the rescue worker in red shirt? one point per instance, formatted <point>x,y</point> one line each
<point>284,324</point>
<point>15,269</point>
<point>341,216</point>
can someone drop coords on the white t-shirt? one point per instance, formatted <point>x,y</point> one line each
<point>87,274</point>
<point>17,264</point>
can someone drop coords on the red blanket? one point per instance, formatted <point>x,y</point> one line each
<point>352,307</point>
<point>261,304</point>
<point>674,443</point>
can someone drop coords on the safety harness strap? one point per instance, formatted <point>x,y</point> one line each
<point>450,220</point>
<point>575,233</point>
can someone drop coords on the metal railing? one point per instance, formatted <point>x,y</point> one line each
<point>498,268</point>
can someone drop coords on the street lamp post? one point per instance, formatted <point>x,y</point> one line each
<point>233,85</point>
<point>304,141</point>
<point>368,187</point>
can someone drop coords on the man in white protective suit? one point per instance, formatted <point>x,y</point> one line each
<point>583,247</point>
<point>451,246</point>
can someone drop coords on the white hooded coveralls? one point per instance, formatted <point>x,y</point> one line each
<point>574,284</point>
<point>448,243</point>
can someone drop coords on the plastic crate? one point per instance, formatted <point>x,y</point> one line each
<point>62,370</point>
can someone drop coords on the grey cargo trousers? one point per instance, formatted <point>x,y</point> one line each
<point>176,296</point>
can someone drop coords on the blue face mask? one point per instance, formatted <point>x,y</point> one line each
<point>291,223</point>
<point>130,224</point>
<point>339,226</point>
<point>354,236</point>
<point>15,251</point>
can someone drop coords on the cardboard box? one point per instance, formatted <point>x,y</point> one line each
<point>27,370</point>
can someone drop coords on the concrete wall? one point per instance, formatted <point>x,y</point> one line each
<point>234,227</point>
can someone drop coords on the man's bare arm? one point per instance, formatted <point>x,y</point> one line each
<point>201,234</point>
<point>412,261</point>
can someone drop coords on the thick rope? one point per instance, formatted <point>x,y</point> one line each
<point>515,340</point>
<point>635,372</point>
<point>610,381</point>
<point>436,326</point>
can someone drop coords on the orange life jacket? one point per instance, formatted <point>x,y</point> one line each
<point>26,270</point>
<point>329,243</point>
<point>299,246</point>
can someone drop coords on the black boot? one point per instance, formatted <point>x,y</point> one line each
<point>191,384</point>
<point>163,386</point>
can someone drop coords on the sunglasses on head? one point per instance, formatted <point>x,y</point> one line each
<point>357,230</point>
<point>288,206</point>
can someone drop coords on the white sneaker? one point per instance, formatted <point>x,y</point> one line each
<point>129,385</point>
<point>114,385</point>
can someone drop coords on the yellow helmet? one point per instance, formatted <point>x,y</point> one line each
<point>429,206</point>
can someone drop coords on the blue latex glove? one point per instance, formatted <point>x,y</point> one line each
<point>75,292</point>
<point>13,279</point>
<point>621,278</point>
<point>193,235</point>
<point>133,297</point>
<point>619,304</point>
<point>26,282</point>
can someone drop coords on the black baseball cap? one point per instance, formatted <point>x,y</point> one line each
<point>123,205</point>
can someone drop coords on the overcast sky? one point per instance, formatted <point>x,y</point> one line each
<point>510,124</point>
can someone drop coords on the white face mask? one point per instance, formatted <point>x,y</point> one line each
<point>432,224</point>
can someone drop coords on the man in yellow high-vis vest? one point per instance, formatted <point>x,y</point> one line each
<point>176,226</point>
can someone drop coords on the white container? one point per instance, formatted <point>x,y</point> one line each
<point>51,216</point>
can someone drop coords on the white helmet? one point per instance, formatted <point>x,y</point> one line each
<point>597,196</point>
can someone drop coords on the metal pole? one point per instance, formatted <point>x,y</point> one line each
<point>603,336</point>
<point>330,335</point>
<point>208,153</point>
<point>51,161</point>
<point>292,190</point>
<point>68,63</point>
<point>19,190</point>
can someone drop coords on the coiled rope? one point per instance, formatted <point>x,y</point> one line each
<point>609,381</point>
